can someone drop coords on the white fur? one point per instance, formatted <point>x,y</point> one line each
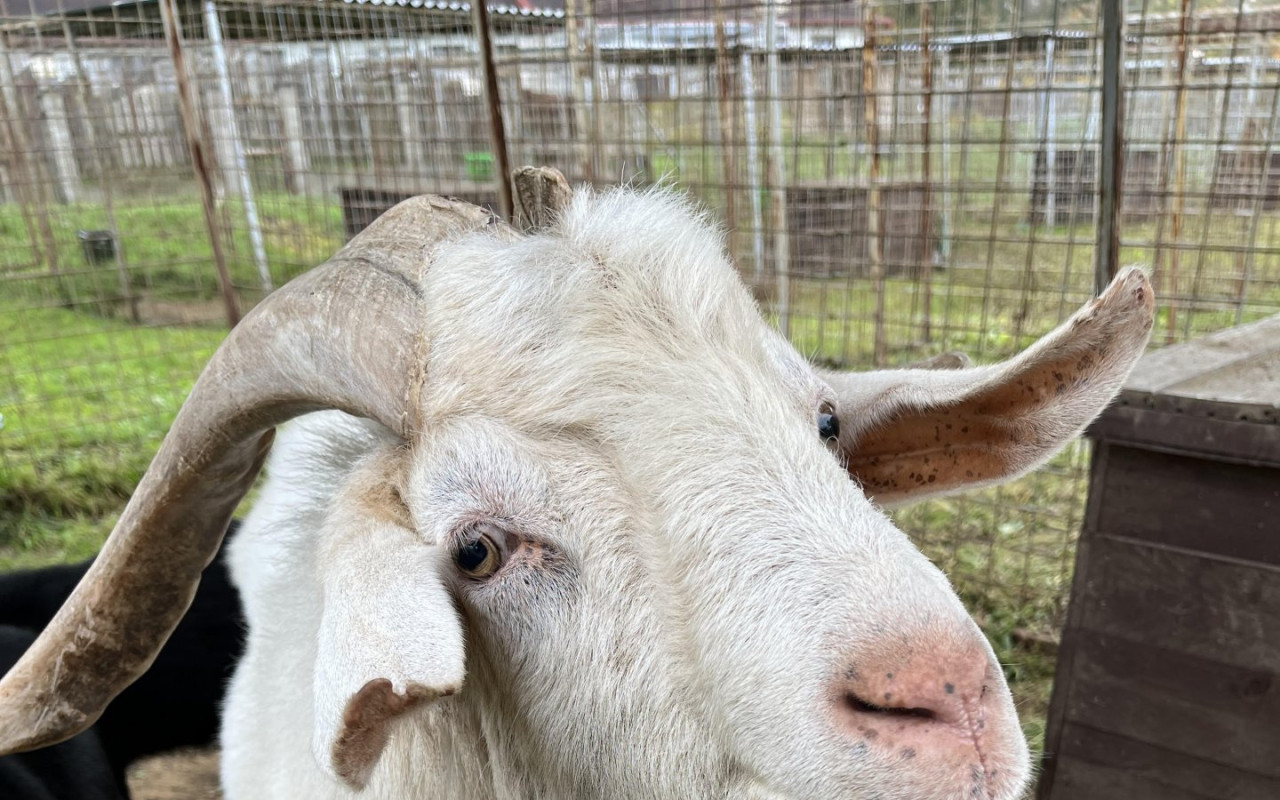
<point>694,566</point>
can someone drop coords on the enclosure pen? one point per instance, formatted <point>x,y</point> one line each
<point>895,179</point>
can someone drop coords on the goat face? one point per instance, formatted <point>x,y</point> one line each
<point>626,551</point>
<point>670,585</point>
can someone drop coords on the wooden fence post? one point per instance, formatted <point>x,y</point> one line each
<point>297,162</point>
<point>58,143</point>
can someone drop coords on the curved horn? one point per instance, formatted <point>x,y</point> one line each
<point>346,335</point>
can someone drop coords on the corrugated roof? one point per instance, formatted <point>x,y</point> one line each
<point>44,8</point>
<point>518,10</point>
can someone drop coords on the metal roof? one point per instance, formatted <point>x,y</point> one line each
<point>45,8</point>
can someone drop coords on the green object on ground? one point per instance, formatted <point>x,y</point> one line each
<point>479,166</point>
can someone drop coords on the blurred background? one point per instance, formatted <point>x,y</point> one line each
<point>896,179</point>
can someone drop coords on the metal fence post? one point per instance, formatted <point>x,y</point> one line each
<point>1112,144</point>
<point>497,129</point>
<point>238,169</point>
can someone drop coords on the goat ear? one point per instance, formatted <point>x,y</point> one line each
<point>390,638</point>
<point>908,434</point>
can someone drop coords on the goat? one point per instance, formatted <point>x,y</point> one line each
<point>177,703</point>
<point>577,523</point>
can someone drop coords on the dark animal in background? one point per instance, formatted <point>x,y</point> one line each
<point>175,704</point>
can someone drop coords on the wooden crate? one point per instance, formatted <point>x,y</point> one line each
<point>1248,180</point>
<point>829,231</point>
<point>1075,185</point>
<point>1168,682</point>
<point>1140,192</point>
<point>361,205</point>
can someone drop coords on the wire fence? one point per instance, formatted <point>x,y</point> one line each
<point>897,179</point>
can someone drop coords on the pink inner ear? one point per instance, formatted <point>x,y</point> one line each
<point>366,726</point>
<point>994,431</point>
<point>986,436</point>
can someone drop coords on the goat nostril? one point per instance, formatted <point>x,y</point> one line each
<point>863,707</point>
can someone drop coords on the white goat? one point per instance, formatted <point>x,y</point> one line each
<point>599,540</point>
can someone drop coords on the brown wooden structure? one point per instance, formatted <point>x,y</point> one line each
<point>1075,185</point>
<point>1248,179</point>
<point>1168,683</point>
<point>362,203</point>
<point>830,231</point>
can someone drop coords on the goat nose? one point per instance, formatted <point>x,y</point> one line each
<point>932,702</point>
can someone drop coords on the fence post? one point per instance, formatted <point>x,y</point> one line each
<point>27,185</point>
<point>926,176</point>
<point>239,166</point>
<point>297,162</point>
<point>60,145</point>
<point>727,155</point>
<point>875,220</point>
<point>199,162</point>
<point>755,183</point>
<point>409,122</point>
<point>1111,145</point>
<point>497,131</point>
<point>777,173</point>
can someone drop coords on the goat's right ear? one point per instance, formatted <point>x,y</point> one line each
<point>907,434</point>
<point>390,638</point>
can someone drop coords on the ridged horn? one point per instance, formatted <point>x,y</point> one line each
<point>347,335</point>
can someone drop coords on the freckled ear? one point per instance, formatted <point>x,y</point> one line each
<point>390,639</point>
<point>908,434</point>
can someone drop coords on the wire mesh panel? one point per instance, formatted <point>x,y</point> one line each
<point>895,180</point>
<point>1203,98</point>
<point>104,263</point>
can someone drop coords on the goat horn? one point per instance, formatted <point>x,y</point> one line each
<point>347,335</point>
<point>541,195</point>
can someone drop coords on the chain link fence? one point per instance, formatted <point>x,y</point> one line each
<point>897,179</point>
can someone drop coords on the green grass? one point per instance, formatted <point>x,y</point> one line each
<point>165,250</point>
<point>86,401</point>
<point>86,396</point>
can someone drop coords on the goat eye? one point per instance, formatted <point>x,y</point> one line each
<point>479,558</point>
<point>828,423</point>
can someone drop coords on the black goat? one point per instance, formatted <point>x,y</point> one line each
<point>174,704</point>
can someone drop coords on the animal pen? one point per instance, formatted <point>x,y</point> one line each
<point>895,179</point>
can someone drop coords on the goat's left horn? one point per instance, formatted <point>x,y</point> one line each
<point>347,335</point>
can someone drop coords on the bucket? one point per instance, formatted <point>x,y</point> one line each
<point>479,166</point>
<point>98,246</point>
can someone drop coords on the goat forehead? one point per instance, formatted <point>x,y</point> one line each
<point>630,271</point>
<point>628,323</point>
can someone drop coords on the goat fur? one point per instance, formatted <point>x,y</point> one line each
<point>691,569</point>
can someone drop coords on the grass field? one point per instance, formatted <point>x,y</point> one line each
<point>86,394</point>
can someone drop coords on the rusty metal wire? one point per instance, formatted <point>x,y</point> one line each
<point>896,179</point>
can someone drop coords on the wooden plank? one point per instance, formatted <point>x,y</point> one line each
<point>1081,780</point>
<point>1221,366</point>
<point>1064,670</point>
<point>1213,430</point>
<point>1095,765</point>
<point>1227,509</point>
<point>1194,706</point>
<point>1200,606</point>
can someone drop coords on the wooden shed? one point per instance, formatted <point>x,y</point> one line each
<point>829,226</point>
<point>362,204</point>
<point>1168,681</point>
<point>1075,185</point>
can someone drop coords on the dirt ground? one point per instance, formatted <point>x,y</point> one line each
<point>180,775</point>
